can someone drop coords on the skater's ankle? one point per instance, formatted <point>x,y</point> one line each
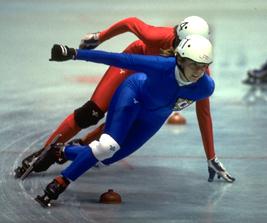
<point>56,187</point>
<point>62,181</point>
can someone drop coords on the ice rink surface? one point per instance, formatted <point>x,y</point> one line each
<point>166,180</point>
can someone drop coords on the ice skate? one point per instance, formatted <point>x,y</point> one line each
<point>26,163</point>
<point>52,191</point>
<point>257,76</point>
<point>34,165</point>
<point>254,80</point>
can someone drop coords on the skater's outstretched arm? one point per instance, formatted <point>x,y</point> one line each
<point>150,35</point>
<point>141,63</point>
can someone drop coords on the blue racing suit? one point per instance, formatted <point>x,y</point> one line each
<point>139,106</point>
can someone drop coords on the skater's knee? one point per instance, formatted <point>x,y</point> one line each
<point>88,114</point>
<point>105,148</point>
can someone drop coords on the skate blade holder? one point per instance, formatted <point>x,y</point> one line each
<point>30,169</point>
<point>44,201</point>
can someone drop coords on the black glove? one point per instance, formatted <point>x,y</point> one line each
<point>89,41</point>
<point>62,53</point>
<point>216,167</point>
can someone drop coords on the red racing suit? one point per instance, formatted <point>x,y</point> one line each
<point>151,40</point>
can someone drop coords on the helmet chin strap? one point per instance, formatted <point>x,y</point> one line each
<point>178,74</point>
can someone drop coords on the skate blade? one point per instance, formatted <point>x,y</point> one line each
<point>27,172</point>
<point>254,81</point>
<point>44,203</point>
<point>30,169</point>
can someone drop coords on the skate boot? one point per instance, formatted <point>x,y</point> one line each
<point>41,162</point>
<point>257,76</point>
<point>25,164</point>
<point>49,157</point>
<point>52,191</point>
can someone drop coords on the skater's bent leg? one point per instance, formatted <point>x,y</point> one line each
<point>83,117</point>
<point>122,114</point>
<point>88,156</point>
<point>83,161</point>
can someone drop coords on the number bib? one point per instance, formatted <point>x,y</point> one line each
<point>182,103</point>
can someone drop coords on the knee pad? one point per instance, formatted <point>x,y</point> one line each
<point>105,148</point>
<point>87,115</point>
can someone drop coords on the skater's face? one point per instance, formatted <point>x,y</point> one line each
<point>193,70</point>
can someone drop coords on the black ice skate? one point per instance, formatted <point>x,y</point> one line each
<point>36,164</point>
<point>252,80</point>
<point>257,76</point>
<point>52,191</point>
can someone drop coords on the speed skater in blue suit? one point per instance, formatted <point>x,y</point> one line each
<point>139,107</point>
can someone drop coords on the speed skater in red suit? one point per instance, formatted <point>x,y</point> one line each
<point>152,41</point>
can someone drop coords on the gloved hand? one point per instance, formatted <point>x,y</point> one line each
<point>216,167</point>
<point>89,41</point>
<point>62,53</point>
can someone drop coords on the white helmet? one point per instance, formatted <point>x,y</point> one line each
<point>192,25</point>
<point>196,48</point>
